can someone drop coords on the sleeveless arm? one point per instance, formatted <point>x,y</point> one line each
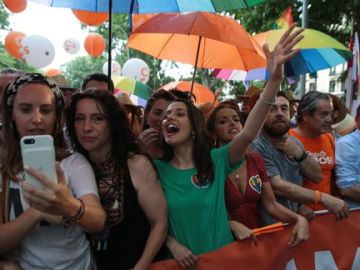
<point>152,201</point>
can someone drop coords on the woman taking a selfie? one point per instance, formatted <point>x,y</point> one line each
<point>136,213</point>
<point>43,228</point>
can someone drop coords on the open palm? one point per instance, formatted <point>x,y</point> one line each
<point>282,52</point>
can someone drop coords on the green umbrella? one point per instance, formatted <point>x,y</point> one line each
<point>132,86</point>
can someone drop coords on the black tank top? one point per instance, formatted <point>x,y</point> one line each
<point>126,240</point>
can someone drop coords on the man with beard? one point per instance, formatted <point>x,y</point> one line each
<point>286,164</point>
<point>314,118</point>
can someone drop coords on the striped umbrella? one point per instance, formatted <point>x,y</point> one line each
<point>318,51</point>
<point>132,86</point>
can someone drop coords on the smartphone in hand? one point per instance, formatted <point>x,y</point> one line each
<point>38,152</point>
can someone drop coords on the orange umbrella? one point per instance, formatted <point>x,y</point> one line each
<point>201,92</point>
<point>205,40</point>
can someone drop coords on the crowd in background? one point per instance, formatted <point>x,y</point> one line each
<point>172,180</point>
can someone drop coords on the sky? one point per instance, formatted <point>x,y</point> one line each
<point>57,25</point>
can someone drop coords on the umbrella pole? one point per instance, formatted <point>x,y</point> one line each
<point>109,45</point>
<point>130,15</point>
<point>195,66</point>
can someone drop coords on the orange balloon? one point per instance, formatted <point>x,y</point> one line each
<point>91,18</point>
<point>13,43</point>
<point>15,6</point>
<point>52,72</point>
<point>94,44</point>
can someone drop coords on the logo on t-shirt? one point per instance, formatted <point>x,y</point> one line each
<point>199,183</point>
<point>322,158</point>
<point>255,183</point>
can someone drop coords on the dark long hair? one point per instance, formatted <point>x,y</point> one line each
<point>123,140</point>
<point>210,123</point>
<point>201,146</point>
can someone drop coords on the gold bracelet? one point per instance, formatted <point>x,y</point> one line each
<point>266,102</point>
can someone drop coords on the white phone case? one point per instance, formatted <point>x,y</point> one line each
<point>38,152</point>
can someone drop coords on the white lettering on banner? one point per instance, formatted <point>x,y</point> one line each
<point>321,158</point>
<point>291,265</point>
<point>324,260</point>
<point>356,264</point>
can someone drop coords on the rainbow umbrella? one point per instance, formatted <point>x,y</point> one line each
<point>138,101</point>
<point>132,86</point>
<point>151,6</point>
<point>317,51</point>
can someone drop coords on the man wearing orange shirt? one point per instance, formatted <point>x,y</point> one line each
<point>314,120</point>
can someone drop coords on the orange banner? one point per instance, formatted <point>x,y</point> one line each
<point>332,245</point>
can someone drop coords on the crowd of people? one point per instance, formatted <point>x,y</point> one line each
<point>169,182</point>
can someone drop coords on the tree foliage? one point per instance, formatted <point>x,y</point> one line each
<point>6,60</point>
<point>4,17</point>
<point>76,70</point>
<point>330,16</point>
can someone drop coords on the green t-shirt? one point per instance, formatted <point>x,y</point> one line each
<point>197,211</point>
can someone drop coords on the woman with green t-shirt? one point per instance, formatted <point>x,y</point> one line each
<point>193,176</point>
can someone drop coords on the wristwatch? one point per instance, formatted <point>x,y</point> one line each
<point>302,157</point>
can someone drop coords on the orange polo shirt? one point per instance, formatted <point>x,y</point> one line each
<point>322,149</point>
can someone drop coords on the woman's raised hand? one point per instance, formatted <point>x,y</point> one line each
<point>282,52</point>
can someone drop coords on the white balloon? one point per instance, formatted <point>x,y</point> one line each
<point>137,69</point>
<point>71,45</point>
<point>37,51</point>
<point>115,68</point>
